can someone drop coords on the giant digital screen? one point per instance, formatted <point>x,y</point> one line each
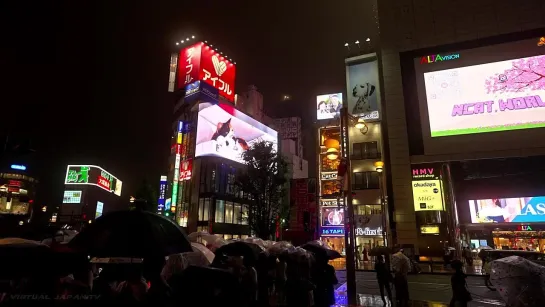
<point>332,216</point>
<point>498,96</point>
<point>329,106</point>
<point>72,197</point>
<point>93,175</point>
<point>508,210</point>
<point>223,131</point>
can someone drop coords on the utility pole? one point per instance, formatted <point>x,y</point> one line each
<point>349,237</point>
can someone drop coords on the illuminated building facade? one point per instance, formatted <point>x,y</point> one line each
<point>89,192</point>
<point>209,135</point>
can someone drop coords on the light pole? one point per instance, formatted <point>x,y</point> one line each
<point>349,213</point>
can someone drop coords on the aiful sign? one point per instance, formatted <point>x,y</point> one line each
<point>201,62</point>
<point>434,58</point>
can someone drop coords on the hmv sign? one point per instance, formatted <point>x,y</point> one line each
<point>426,171</point>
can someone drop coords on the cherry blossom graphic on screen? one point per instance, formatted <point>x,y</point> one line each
<point>525,75</point>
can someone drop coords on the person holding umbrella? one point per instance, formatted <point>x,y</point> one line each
<point>401,266</point>
<point>384,277</point>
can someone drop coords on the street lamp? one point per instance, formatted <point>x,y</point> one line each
<point>379,166</point>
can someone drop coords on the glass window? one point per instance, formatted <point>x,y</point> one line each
<point>365,150</point>
<point>229,213</point>
<point>365,180</point>
<point>244,237</point>
<point>220,211</point>
<point>236,236</point>
<point>244,215</point>
<point>206,209</point>
<point>237,213</point>
<point>228,237</point>
<point>368,209</point>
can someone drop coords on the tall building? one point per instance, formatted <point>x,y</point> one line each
<point>89,192</point>
<point>209,135</point>
<point>463,123</point>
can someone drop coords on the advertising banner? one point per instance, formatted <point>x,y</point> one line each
<point>508,210</point>
<point>100,208</point>
<point>498,96</point>
<point>329,106</point>
<point>172,72</point>
<point>332,216</point>
<point>162,193</point>
<point>93,175</point>
<point>186,167</point>
<point>368,225</point>
<point>223,131</point>
<point>427,187</point>
<point>189,65</point>
<point>217,71</point>
<point>332,231</point>
<point>72,197</point>
<point>363,91</point>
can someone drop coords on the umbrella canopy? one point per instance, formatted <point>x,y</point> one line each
<point>249,251</point>
<point>132,234</point>
<point>22,257</point>
<point>204,251</point>
<point>202,237</point>
<point>278,248</point>
<point>380,250</point>
<point>520,282</point>
<point>321,252</point>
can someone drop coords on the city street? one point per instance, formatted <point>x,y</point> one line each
<point>428,287</point>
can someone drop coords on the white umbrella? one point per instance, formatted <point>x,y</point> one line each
<point>205,251</point>
<point>202,237</point>
<point>519,281</point>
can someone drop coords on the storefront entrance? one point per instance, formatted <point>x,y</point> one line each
<point>337,244</point>
<point>364,244</point>
<point>525,240</point>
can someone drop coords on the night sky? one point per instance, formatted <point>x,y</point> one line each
<point>86,81</point>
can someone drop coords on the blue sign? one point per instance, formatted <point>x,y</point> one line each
<point>18,167</point>
<point>200,91</point>
<point>332,231</point>
<point>533,211</point>
<point>162,193</point>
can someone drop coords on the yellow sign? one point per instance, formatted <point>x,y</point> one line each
<point>429,230</point>
<point>428,195</point>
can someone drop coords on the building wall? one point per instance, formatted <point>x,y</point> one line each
<point>413,24</point>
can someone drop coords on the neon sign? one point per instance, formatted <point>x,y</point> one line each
<point>332,231</point>
<point>434,58</point>
<point>18,167</point>
<point>93,175</point>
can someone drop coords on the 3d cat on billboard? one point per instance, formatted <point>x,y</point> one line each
<point>200,62</point>
<point>223,131</point>
<point>498,96</point>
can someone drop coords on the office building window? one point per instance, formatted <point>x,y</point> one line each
<point>365,180</point>
<point>244,215</point>
<point>368,209</point>
<point>229,213</point>
<point>365,150</point>
<point>220,211</point>
<point>204,209</point>
<point>237,212</point>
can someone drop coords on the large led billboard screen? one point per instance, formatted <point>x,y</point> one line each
<point>362,81</point>
<point>329,106</point>
<point>93,175</point>
<point>498,96</point>
<point>72,197</point>
<point>200,62</point>
<point>508,210</point>
<point>223,131</point>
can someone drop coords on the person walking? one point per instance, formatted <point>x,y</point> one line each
<point>460,294</point>
<point>384,277</point>
<point>401,266</point>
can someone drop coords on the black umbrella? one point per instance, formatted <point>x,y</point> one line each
<point>131,234</point>
<point>249,251</point>
<point>22,257</point>
<point>321,251</point>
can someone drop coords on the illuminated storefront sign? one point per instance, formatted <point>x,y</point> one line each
<point>162,194</point>
<point>176,176</point>
<point>427,188</point>
<point>525,228</point>
<point>72,197</point>
<point>100,208</point>
<point>328,176</point>
<point>93,175</point>
<point>185,169</point>
<point>331,202</point>
<point>18,167</point>
<point>368,231</point>
<point>332,231</point>
<point>434,58</point>
<point>429,230</point>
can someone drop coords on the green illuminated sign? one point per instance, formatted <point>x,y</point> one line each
<point>78,175</point>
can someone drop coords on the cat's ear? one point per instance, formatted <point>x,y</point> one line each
<point>229,121</point>
<point>219,126</point>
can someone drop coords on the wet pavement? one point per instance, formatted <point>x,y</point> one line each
<point>436,268</point>
<point>424,289</point>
